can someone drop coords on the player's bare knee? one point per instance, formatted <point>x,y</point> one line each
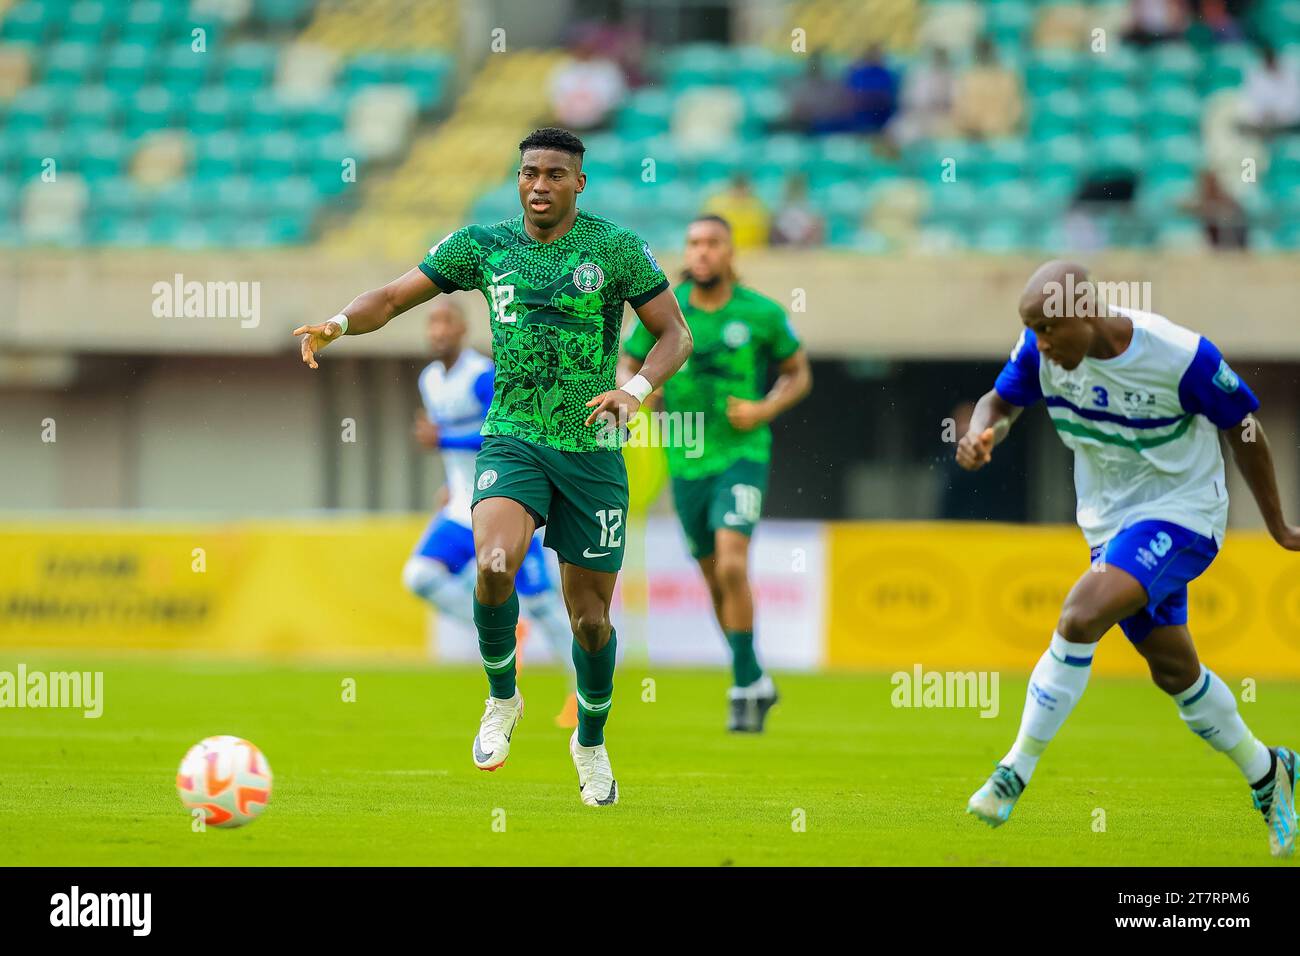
<point>495,580</point>
<point>1081,626</point>
<point>591,628</point>
<point>732,574</point>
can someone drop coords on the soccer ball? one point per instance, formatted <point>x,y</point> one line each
<point>227,778</point>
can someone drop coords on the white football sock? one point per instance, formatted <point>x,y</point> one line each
<point>1055,686</point>
<point>450,594</point>
<point>1209,709</point>
<point>546,610</point>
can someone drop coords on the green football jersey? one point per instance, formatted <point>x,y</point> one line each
<point>556,310</point>
<point>733,348</point>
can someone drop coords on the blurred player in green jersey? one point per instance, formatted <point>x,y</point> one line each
<point>555,279</point>
<point>718,488</point>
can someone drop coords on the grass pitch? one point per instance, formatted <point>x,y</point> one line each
<point>388,780</point>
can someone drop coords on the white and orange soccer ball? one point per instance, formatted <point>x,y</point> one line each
<point>227,778</point>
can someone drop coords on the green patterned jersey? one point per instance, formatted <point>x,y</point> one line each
<point>556,310</point>
<point>734,347</point>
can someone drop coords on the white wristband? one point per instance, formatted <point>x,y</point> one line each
<point>638,386</point>
<point>342,321</point>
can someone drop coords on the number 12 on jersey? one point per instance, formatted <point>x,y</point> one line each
<point>502,296</point>
<point>611,521</point>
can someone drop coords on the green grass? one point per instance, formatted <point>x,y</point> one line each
<point>388,779</point>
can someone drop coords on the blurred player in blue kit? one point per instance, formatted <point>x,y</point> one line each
<point>456,390</point>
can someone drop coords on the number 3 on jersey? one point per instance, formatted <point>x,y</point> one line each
<point>502,296</point>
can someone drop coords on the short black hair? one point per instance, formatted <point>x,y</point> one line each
<point>713,217</point>
<point>552,137</point>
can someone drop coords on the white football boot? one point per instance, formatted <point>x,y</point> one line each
<point>994,801</point>
<point>1277,802</point>
<point>596,783</point>
<point>492,743</point>
<point>749,706</point>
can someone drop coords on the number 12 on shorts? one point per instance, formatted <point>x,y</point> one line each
<point>611,522</point>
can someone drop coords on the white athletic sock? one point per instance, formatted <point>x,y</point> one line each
<point>546,610</point>
<point>1209,709</point>
<point>451,594</point>
<point>1055,686</point>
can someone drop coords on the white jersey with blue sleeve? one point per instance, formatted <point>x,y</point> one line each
<point>1143,425</point>
<point>456,399</point>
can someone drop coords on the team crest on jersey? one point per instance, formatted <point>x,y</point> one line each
<point>1226,379</point>
<point>487,479</point>
<point>588,277</point>
<point>735,334</point>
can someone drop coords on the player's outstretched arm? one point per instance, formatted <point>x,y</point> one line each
<point>368,312</point>
<point>989,424</point>
<point>793,383</point>
<point>662,317</point>
<point>1255,461</point>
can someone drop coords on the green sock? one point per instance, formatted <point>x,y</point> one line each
<point>595,689</point>
<point>496,643</point>
<point>744,662</point>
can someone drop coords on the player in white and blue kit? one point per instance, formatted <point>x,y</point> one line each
<point>456,389</point>
<point>1142,403</point>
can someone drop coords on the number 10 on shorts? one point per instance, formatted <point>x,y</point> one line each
<point>611,522</point>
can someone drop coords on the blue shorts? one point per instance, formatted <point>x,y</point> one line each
<point>1163,557</point>
<point>452,544</point>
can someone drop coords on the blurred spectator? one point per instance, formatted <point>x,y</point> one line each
<point>1270,98</point>
<point>15,70</point>
<point>1222,217</point>
<point>819,103</point>
<point>1214,24</point>
<point>706,119</point>
<point>1104,195</point>
<point>1155,21</point>
<point>622,41</point>
<point>1063,27</point>
<point>796,222</point>
<point>748,216</point>
<point>988,99</point>
<point>586,88</point>
<point>873,92</point>
<point>925,108</point>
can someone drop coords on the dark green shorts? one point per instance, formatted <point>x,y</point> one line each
<point>733,498</point>
<point>580,496</point>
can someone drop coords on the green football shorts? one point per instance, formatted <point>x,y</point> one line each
<point>580,496</point>
<point>733,498</point>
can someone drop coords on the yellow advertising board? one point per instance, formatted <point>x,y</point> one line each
<point>279,588</point>
<point>942,595</point>
<point>985,595</point>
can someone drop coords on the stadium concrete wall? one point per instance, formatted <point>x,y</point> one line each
<point>830,596</point>
<point>842,303</point>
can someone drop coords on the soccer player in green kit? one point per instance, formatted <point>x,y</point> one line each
<point>555,279</point>
<point>737,333</point>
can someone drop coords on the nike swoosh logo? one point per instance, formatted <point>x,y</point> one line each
<point>498,278</point>
<point>586,553</point>
<point>479,755</point>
